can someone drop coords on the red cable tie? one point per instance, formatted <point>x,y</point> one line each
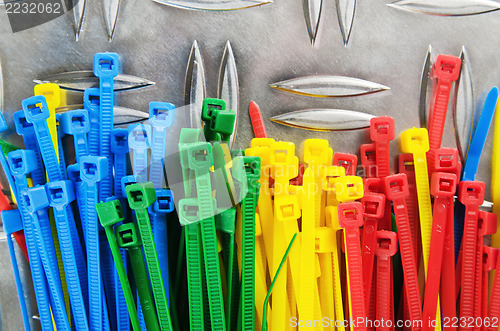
<point>448,275</point>
<point>350,219</point>
<point>382,131</point>
<point>446,70</point>
<point>486,225</point>
<point>443,187</point>
<point>348,161</point>
<point>471,195</point>
<point>396,188</point>
<point>490,256</point>
<point>406,167</point>
<point>386,247</point>
<point>494,307</point>
<point>258,126</point>
<point>374,205</point>
<point>368,160</point>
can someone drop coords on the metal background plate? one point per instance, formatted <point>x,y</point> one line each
<point>271,44</point>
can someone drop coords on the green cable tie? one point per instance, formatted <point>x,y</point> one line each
<point>196,160</point>
<point>266,301</point>
<point>225,223</point>
<point>129,239</point>
<point>140,196</point>
<point>219,121</point>
<point>111,213</point>
<point>247,168</point>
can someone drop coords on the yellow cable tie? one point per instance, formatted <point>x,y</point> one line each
<point>416,142</point>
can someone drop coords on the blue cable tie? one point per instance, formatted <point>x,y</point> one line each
<point>11,220</point>
<point>38,204</point>
<point>92,170</point>
<point>27,131</point>
<point>80,193</point>
<point>479,138</point>
<point>91,103</point>
<point>139,140</point>
<point>62,156</point>
<point>60,194</point>
<point>158,211</point>
<point>79,187</point>
<point>19,171</point>
<point>37,113</point>
<point>473,157</point>
<point>106,67</point>
<point>161,117</point>
<point>119,148</point>
<point>77,124</point>
<point>126,181</point>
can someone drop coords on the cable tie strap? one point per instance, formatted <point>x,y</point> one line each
<point>140,196</point>
<point>37,205</point>
<point>471,194</point>
<point>347,161</point>
<point>396,188</point>
<point>368,160</point>
<point>111,213</point>
<point>374,208</point>
<point>106,67</point>
<point>386,247</point>
<point>120,149</point>
<point>446,70</point>
<point>139,140</point>
<point>60,194</point>
<point>443,186</point>
<point>27,131</point>
<point>37,112</point>
<point>382,131</point>
<point>161,117</point>
<point>351,219</point>
<point>76,123</point>
<point>92,170</point>
<point>11,221</point>
<point>128,238</point>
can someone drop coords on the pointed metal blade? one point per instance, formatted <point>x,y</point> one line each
<point>195,88</point>
<point>463,107</point>
<point>312,13</point>
<point>425,85</point>
<point>213,4</point>
<point>324,119</point>
<point>78,15</point>
<point>447,7</point>
<point>110,12</point>
<point>81,80</point>
<point>121,115</point>
<point>322,86</point>
<point>345,13</point>
<point>228,89</point>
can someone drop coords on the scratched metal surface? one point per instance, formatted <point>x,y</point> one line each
<point>270,44</point>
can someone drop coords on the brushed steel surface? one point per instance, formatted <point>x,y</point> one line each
<point>270,44</point>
